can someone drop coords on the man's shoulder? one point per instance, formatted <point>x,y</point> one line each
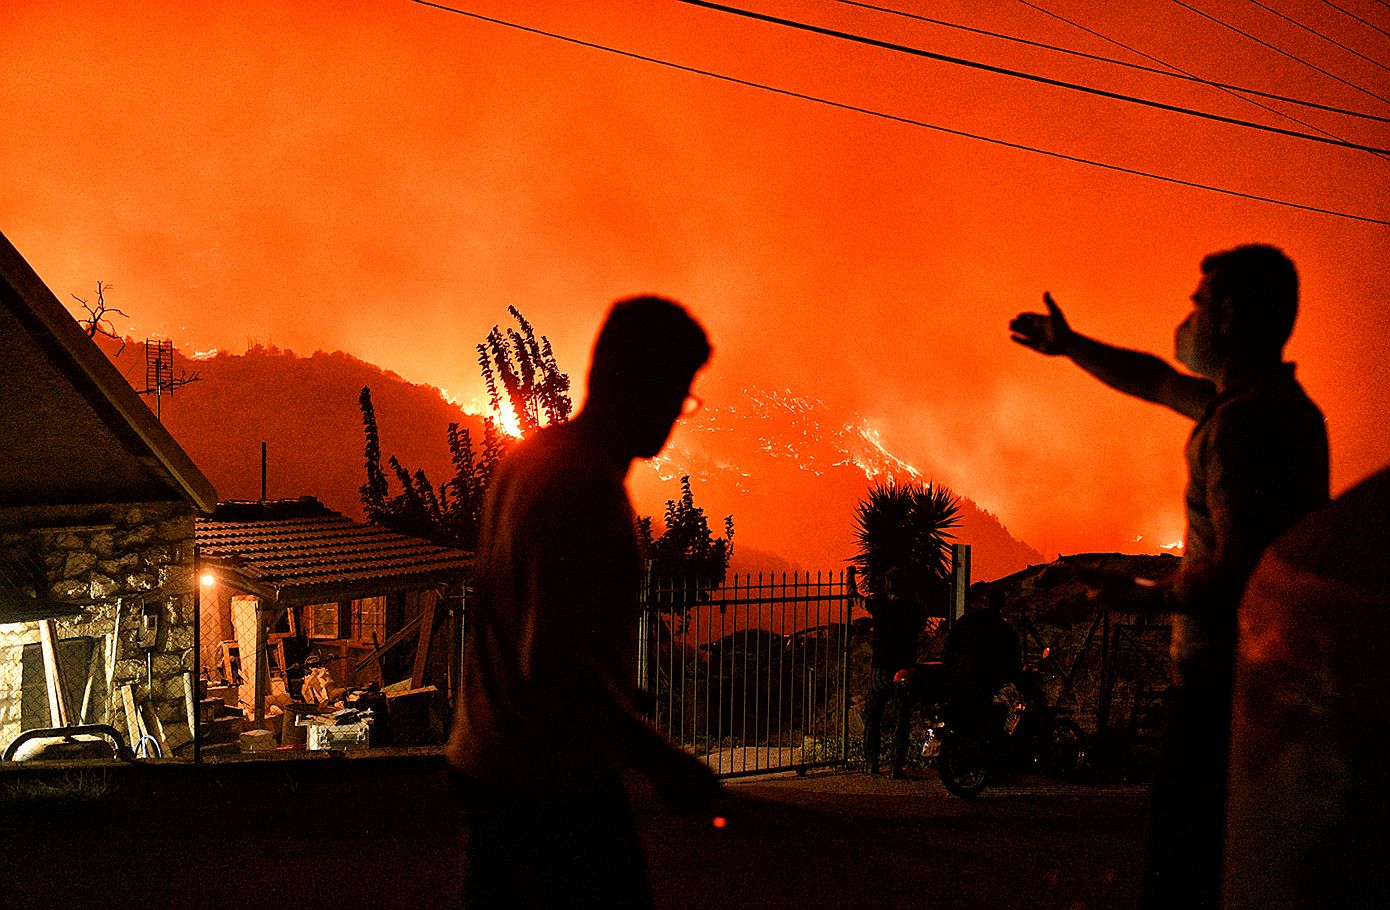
<point>1281,403</point>
<point>554,454</point>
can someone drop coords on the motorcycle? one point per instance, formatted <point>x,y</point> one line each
<point>1019,730</point>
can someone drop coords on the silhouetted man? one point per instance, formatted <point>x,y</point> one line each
<point>897,619</point>
<point>1256,462</point>
<point>981,655</point>
<point>546,717</point>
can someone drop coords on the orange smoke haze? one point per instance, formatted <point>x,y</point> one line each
<point>385,178</point>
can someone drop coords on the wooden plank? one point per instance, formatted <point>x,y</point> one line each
<point>428,601</point>
<point>134,723</point>
<point>401,635</point>
<point>87,712</point>
<point>52,674</point>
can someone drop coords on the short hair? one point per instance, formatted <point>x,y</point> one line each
<point>646,339</point>
<point>995,598</point>
<point>1262,285</point>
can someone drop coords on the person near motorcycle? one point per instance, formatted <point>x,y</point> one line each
<point>981,655</point>
<point>898,616</point>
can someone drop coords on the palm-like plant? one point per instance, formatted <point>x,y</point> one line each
<point>906,525</point>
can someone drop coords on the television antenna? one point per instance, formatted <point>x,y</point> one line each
<point>159,371</point>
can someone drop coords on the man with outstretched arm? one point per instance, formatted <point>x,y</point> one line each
<point>547,721</point>
<point>1256,462</point>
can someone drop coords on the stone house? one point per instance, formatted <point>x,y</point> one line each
<point>98,603</point>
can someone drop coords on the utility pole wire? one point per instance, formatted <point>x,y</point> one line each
<point>1031,77</point>
<point>1293,57</point>
<point>1347,12</point>
<point>1171,72</point>
<point>1313,31</point>
<point>1178,69</point>
<point>632,55</point>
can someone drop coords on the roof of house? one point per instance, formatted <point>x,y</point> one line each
<point>1050,593</point>
<point>72,430</point>
<point>298,551</point>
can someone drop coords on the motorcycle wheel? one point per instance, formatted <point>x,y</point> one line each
<point>963,765</point>
<point>1066,749</point>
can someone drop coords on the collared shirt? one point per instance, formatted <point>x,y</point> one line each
<point>1256,463</point>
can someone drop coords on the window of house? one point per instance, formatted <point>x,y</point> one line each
<point>369,618</point>
<point>321,621</point>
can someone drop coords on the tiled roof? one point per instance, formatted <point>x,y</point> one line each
<point>298,551</point>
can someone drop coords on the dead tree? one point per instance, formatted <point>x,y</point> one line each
<point>97,321</point>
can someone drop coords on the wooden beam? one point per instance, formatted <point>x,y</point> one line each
<point>428,601</point>
<point>53,674</point>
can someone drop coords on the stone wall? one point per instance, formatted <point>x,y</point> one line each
<point>122,556</point>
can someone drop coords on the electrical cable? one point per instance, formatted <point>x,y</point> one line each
<point>1347,12</point>
<point>632,55</point>
<point>1313,31</point>
<point>1170,73</point>
<point>1293,57</point>
<point>1031,77</point>
<point>1173,66</point>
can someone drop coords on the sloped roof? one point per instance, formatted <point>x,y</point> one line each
<point>72,430</point>
<point>1048,591</point>
<point>299,552</point>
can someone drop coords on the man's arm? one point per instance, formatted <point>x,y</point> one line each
<point>1132,372</point>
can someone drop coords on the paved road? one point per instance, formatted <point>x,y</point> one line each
<point>848,840</point>
<point>343,835</point>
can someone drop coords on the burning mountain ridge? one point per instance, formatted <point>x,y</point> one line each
<point>791,470</point>
<point>788,468</point>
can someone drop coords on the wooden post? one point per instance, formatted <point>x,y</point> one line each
<point>262,685</point>
<point>429,600</point>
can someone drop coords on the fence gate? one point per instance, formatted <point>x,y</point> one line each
<point>753,676</point>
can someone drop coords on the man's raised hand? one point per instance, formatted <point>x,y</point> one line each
<point>1047,333</point>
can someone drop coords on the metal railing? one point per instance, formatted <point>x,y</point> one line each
<point>752,676</point>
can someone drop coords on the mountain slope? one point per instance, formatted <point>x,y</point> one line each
<point>788,468</point>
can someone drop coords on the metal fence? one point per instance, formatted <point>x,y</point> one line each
<point>752,676</point>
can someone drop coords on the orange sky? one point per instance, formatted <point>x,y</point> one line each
<point>385,178</point>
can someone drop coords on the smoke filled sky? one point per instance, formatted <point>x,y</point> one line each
<point>385,178</point>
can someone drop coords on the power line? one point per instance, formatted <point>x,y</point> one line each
<point>1135,50</point>
<point>1031,77</point>
<point>1168,73</point>
<point>907,121</point>
<point>1313,31</point>
<point>1294,57</point>
<point>1347,12</point>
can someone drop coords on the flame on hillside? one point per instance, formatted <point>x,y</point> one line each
<point>780,425</point>
<point>477,407</point>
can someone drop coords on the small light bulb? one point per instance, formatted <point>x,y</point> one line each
<point>208,580</point>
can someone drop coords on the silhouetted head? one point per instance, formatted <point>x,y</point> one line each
<point>994,599</point>
<point>896,583</point>
<point>646,356</point>
<point>1243,308</point>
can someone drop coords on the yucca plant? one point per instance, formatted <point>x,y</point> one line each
<point>907,525</point>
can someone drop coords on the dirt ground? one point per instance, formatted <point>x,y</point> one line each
<point>379,833</point>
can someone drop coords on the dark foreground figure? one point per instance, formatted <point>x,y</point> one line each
<point>547,721</point>
<point>1309,802</point>
<point>1256,463</point>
